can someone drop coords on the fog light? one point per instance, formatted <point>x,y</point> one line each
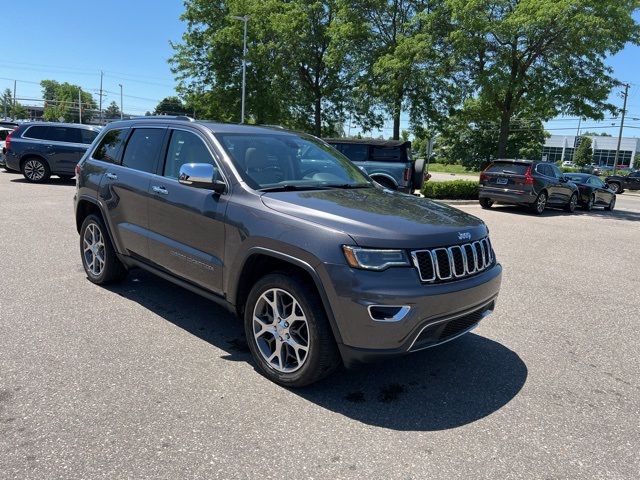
<point>388,313</point>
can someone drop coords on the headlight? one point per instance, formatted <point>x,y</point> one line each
<point>374,258</point>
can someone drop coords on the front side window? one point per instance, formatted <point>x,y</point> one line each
<point>143,148</point>
<point>185,147</point>
<point>110,145</point>
<point>290,161</point>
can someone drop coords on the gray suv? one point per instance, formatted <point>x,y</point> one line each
<point>323,265</point>
<point>40,150</point>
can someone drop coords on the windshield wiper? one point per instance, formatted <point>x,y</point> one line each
<point>350,185</point>
<point>292,188</point>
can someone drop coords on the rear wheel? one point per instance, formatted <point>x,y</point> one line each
<point>486,203</point>
<point>99,258</point>
<point>36,170</point>
<point>573,202</point>
<point>612,204</point>
<point>615,187</point>
<point>540,204</point>
<point>288,331</point>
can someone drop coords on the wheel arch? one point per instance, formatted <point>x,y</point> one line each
<point>262,261</point>
<point>29,155</point>
<point>386,176</point>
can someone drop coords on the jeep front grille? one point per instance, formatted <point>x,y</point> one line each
<point>446,264</point>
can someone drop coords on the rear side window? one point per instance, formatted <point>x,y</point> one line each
<point>387,154</point>
<point>507,167</point>
<point>544,169</point>
<point>355,153</point>
<point>63,134</point>
<point>110,145</point>
<point>143,148</point>
<point>87,136</point>
<point>37,132</point>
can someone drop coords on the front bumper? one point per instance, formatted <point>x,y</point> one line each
<point>438,313</point>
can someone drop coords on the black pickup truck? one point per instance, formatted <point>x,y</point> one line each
<point>620,183</point>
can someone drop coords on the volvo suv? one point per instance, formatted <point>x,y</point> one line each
<point>40,150</point>
<point>322,264</point>
<point>536,185</point>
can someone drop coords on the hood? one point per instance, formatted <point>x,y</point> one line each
<point>380,218</point>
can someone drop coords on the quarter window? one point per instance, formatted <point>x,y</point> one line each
<point>143,148</point>
<point>185,147</point>
<point>87,136</point>
<point>110,145</point>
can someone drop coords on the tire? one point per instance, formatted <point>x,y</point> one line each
<point>418,174</point>
<point>111,269</point>
<point>294,366</point>
<point>486,203</point>
<point>35,170</point>
<point>612,205</point>
<point>615,187</point>
<point>589,205</point>
<point>573,202</point>
<point>540,204</point>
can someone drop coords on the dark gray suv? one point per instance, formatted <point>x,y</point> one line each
<point>40,150</point>
<point>321,264</point>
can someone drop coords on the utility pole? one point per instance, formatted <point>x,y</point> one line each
<point>121,112</point>
<point>14,95</point>
<point>578,132</point>
<point>245,19</point>
<point>79,105</point>
<point>101,75</point>
<point>624,111</point>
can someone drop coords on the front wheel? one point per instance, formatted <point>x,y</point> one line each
<point>612,204</point>
<point>288,331</point>
<point>615,187</point>
<point>589,205</point>
<point>573,201</point>
<point>486,203</point>
<point>99,258</point>
<point>540,204</point>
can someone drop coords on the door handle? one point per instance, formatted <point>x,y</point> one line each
<point>160,190</point>
<point>112,176</point>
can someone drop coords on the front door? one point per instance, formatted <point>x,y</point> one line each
<point>187,223</point>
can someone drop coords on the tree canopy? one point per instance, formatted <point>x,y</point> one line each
<point>584,153</point>
<point>61,101</point>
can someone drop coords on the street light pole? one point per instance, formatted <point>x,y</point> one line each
<point>121,111</point>
<point>624,111</point>
<point>79,105</point>
<point>245,19</point>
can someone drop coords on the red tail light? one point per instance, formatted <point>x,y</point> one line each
<point>407,174</point>
<point>484,177</point>
<point>7,141</point>
<point>528,178</point>
<point>78,169</point>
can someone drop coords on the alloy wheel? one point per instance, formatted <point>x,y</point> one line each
<point>34,170</point>
<point>93,249</point>
<point>573,202</point>
<point>541,203</point>
<point>614,187</point>
<point>280,330</point>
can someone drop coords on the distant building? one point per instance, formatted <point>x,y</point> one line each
<point>560,148</point>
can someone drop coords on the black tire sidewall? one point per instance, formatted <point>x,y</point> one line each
<point>47,170</point>
<point>320,336</point>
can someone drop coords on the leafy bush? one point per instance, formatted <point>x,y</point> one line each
<point>570,169</point>
<point>451,190</point>
<point>449,168</point>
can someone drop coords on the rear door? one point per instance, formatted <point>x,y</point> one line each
<point>124,189</point>
<point>550,182</point>
<point>187,223</point>
<point>64,148</point>
<point>565,188</point>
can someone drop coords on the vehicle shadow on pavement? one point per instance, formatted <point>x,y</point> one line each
<point>51,181</point>
<point>440,388</point>
<point>596,212</point>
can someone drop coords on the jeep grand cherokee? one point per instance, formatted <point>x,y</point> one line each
<point>321,264</point>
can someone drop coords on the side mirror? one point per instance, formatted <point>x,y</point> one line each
<point>564,179</point>
<point>201,175</point>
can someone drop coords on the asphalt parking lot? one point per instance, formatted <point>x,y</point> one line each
<point>146,380</point>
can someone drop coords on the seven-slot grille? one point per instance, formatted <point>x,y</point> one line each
<point>452,263</point>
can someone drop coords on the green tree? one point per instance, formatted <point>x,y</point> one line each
<point>170,106</point>
<point>112,111</point>
<point>17,111</point>
<point>296,61</point>
<point>594,134</point>
<point>61,101</point>
<point>540,57</point>
<point>583,154</point>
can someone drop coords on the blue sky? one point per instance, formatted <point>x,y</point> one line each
<point>72,41</point>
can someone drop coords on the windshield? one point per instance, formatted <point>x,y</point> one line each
<point>273,161</point>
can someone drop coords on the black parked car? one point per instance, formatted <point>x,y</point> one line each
<point>620,183</point>
<point>388,162</point>
<point>322,263</point>
<point>40,150</point>
<point>536,185</point>
<point>593,191</point>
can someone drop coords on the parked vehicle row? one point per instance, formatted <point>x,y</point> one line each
<point>539,185</point>
<point>620,183</point>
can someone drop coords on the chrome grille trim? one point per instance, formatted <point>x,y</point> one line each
<point>476,256</point>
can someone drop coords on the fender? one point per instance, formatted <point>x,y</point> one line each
<point>373,175</point>
<point>233,281</point>
<point>107,222</point>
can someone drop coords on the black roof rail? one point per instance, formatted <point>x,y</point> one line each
<point>164,117</point>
